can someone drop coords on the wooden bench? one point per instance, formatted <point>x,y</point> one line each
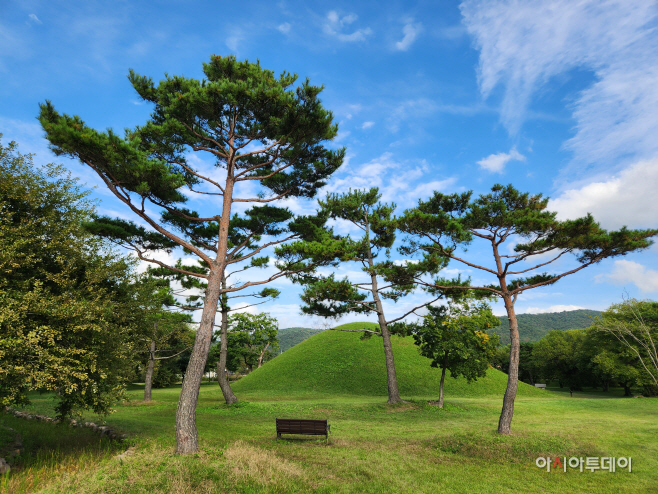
<point>302,426</point>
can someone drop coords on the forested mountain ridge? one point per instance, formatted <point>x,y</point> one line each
<point>289,337</point>
<point>532,327</point>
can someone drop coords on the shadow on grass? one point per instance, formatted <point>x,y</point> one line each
<point>51,450</point>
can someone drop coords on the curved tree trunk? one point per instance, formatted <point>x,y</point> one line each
<point>148,381</point>
<point>505,422</point>
<point>222,378</point>
<point>262,356</point>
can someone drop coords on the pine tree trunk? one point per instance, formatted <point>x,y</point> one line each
<point>443,378</point>
<point>222,378</point>
<point>148,381</point>
<point>187,437</point>
<point>391,377</point>
<point>505,422</point>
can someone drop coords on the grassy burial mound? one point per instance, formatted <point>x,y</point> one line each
<point>336,363</point>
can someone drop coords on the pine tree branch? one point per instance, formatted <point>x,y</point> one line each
<point>142,214</point>
<point>413,310</point>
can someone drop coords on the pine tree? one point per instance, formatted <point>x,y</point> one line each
<point>446,222</point>
<point>329,297</point>
<point>259,130</point>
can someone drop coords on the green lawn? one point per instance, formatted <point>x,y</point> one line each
<point>374,447</point>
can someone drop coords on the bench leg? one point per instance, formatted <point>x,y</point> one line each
<point>278,435</point>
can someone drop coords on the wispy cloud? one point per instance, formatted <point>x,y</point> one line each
<point>367,125</point>
<point>34,18</point>
<point>284,28</point>
<point>411,30</point>
<point>233,41</point>
<point>401,182</point>
<point>335,24</point>
<point>524,45</point>
<point>495,163</point>
<point>626,272</point>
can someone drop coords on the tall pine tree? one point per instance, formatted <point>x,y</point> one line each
<point>333,298</point>
<point>260,131</point>
<point>446,223</point>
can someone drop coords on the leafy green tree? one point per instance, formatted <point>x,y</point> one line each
<point>629,331</point>
<point>558,356</point>
<point>500,359</point>
<point>169,336</point>
<point>252,339</point>
<point>454,336</point>
<point>446,223</point>
<point>527,370</point>
<point>69,308</point>
<point>327,296</point>
<point>265,136</point>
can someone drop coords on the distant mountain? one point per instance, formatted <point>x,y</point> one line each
<point>289,337</point>
<point>532,327</point>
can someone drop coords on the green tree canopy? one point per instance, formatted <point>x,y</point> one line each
<point>252,340</point>
<point>629,332</point>
<point>454,337</point>
<point>69,308</point>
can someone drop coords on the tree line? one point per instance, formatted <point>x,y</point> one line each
<point>267,139</point>
<point>619,349</point>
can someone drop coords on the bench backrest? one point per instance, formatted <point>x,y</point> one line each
<point>301,426</point>
<point>540,386</point>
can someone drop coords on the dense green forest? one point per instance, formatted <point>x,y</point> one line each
<point>533,327</point>
<point>289,337</point>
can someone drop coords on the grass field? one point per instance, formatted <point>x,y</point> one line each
<point>374,447</point>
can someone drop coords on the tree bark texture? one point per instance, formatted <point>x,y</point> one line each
<point>443,379</point>
<point>505,422</point>
<point>148,381</point>
<point>187,436</point>
<point>222,378</point>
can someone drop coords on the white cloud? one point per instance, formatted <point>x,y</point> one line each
<point>552,308</point>
<point>334,25</point>
<point>367,125</point>
<point>626,272</point>
<point>410,30</point>
<point>625,199</point>
<point>284,28</point>
<point>35,19</point>
<point>400,182</point>
<point>234,40</point>
<point>525,44</point>
<point>495,163</point>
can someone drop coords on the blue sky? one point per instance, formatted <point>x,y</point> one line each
<point>557,97</point>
